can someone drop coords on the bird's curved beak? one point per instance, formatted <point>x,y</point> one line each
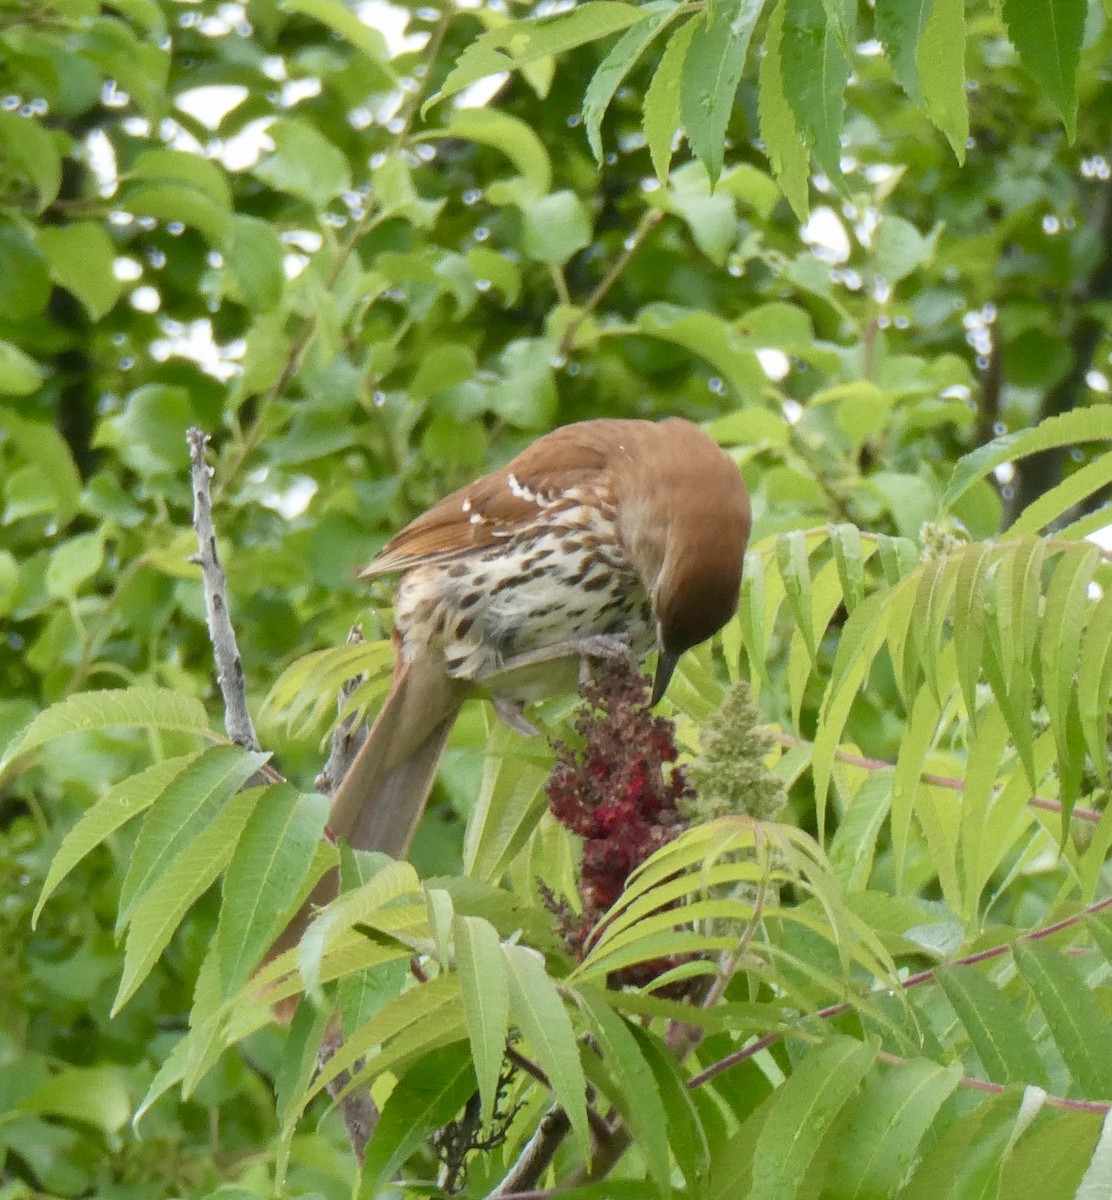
<point>665,665</point>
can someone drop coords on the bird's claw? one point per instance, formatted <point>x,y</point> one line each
<point>511,714</point>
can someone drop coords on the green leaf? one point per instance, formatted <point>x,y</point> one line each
<point>1007,1051</point>
<point>509,805</point>
<point>711,74</point>
<point>613,69</point>
<point>486,1001</point>
<point>75,562</point>
<point>191,873</point>
<point>661,108</point>
<point>785,145</point>
<point>814,70</point>
<point>635,1092</point>
<point>304,164</point>
<point>128,799</point>
<point>711,338</point>
<point>145,707</point>
<point>253,255</point>
<point>686,1137</point>
<point>430,1094</point>
<point>1048,38</point>
<point>850,558</point>
<point>24,278</point>
<point>339,17</point>
<point>180,167</point>
<point>20,374</point>
<point>421,1015</point>
<point>270,863</point>
<point>1093,687</point>
<point>799,1114</point>
<point>510,136</point>
<point>517,43</point>
<point>900,248</point>
<point>82,259</point>
<point>941,62</point>
<point>899,24</point>
<point>150,432</point>
<point>179,202</point>
<point>29,147</point>
<point>1079,1026</point>
<point>1088,481</point>
<point>885,1125</point>
<point>544,1022</point>
<point>188,806</point>
<point>556,227</point>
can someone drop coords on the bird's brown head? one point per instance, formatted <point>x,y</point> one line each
<point>685,519</point>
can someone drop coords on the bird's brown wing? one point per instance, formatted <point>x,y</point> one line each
<point>493,507</point>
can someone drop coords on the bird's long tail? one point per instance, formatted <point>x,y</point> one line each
<point>379,803</point>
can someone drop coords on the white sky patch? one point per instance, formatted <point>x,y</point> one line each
<point>127,270</point>
<point>482,91</point>
<point>1098,381</point>
<point>1004,473</point>
<point>211,104</point>
<point>146,299</point>
<point>826,234</point>
<point>245,148</point>
<point>194,341</point>
<point>101,157</point>
<point>391,22</point>
<point>774,363</point>
<point>793,410</point>
<point>294,500</point>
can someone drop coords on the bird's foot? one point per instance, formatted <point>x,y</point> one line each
<point>512,714</point>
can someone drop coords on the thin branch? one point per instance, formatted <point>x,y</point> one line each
<point>229,666</point>
<point>535,1158</point>
<point>944,781</point>
<point>633,243</point>
<point>834,1010</point>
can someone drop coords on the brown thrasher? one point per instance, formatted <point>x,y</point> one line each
<point>602,537</point>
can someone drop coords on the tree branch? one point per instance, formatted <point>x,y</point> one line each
<point>229,666</point>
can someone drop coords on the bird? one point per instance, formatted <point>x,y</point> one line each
<point>602,538</point>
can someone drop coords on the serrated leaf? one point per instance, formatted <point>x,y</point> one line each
<point>517,43</point>
<point>191,873</point>
<point>986,751</point>
<point>186,808</point>
<point>850,560</point>
<point>298,1064</point>
<point>1076,427</point>
<point>661,110</point>
<point>617,64</point>
<point>1063,498</point>
<point>486,1001</point>
<point>814,70</point>
<point>915,745</point>
<point>711,73</point>
<point>270,863</point>
<point>885,1126</point>
<point>795,568</point>
<point>145,707</point>
<point>1093,688</point>
<point>941,62</point>
<point>1007,1051</point>
<point>784,142</point>
<point>899,24</point>
<point>686,1137</point>
<point>128,799</point>
<point>431,1093</point>
<point>1080,1028</point>
<point>540,1014</point>
<point>794,1124</point>
<point>969,620</point>
<point>509,805</point>
<point>1048,38</point>
<point>635,1092</point>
